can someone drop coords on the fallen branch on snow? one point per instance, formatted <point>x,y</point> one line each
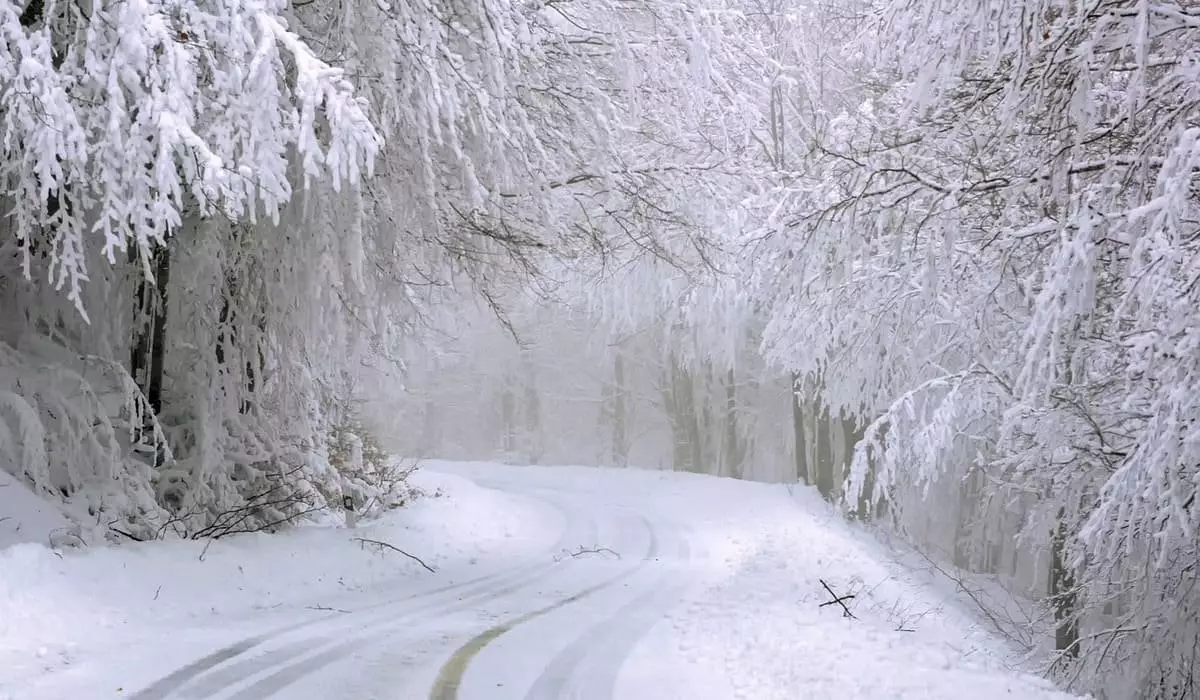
<point>838,600</point>
<point>394,548</point>
<point>325,608</point>
<point>581,551</point>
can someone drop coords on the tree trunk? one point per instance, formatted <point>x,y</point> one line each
<point>620,428</point>
<point>508,417</point>
<point>968,496</point>
<point>158,336</point>
<point>148,344</point>
<point>430,439</point>
<point>853,434</point>
<point>1062,593</point>
<point>533,413</point>
<point>824,449</point>
<point>679,401</point>
<point>734,452</point>
<point>700,426</point>
<point>801,445</point>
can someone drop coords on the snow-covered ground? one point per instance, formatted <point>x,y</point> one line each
<point>549,582</point>
<point>26,518</point>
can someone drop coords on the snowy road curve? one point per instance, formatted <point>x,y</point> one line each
<point>549,583</point>
<point>557,624</point>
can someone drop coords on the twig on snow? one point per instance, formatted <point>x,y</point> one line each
<point>394,548</point>
<point>123,533</point>
<point>207,544</point>
<point>322,607</point>
<point>838,600</point>
<point>581,551</point>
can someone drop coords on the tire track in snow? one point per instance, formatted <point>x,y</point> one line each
<point>166,687</point>
<point>290,674</point>
<point>588,667</point>
<point>450,675</point>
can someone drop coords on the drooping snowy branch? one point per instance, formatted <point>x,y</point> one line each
<point>119,120</point>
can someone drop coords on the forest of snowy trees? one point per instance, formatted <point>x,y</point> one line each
<point>939,259</point>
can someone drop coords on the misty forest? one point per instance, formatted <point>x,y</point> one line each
<point>937,260</point>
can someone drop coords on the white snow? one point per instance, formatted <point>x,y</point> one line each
<point>73,612</point>
<point>759,630</point>
<point>26,518</point>
<point>737,579</point>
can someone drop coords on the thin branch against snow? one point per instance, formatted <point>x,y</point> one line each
<point>384,545</point>
<point>583,551</point>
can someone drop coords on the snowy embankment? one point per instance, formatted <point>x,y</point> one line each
<point>743,563</point>
<point>752,624</point>
<point>26,518</point>
<point>75,609</point>
<point>764,626</point>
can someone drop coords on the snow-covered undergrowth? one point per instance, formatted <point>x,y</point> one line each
<point>78,433</point>
<point>67,424</point>
<point>75,607</point>
<point>26,518</point>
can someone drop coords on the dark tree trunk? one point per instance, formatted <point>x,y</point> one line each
<point>679,401</point>
<point>854,432</point>
<point>1062,593</point>
<point>158,336</point>
<point>148,352</point>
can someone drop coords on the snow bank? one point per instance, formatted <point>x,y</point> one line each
<point>754,626</point>
<point>26,518</point>
<point>762,626</point>
<point>59,606</point>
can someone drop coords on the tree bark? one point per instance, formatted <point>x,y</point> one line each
<point>158,337</point>
<point>148,344</point>
<point>1062,593</point>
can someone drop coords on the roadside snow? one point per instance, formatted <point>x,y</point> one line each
<point>26,518</point>
<point>752,624</point>
<point>749,622</point>
<point>69,609</point>
<point>763,627</point>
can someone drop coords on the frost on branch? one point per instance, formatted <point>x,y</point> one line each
<point>118,120</point>
<point>997,272</point>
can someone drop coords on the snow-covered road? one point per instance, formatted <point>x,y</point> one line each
<point>550,583</point>
<point>560,616</point>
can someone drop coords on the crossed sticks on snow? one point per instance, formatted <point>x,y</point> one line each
<point>838,600</point>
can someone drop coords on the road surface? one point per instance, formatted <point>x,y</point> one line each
<point>559,623</point>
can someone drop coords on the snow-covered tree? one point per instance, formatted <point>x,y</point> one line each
<point>989,262</point>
